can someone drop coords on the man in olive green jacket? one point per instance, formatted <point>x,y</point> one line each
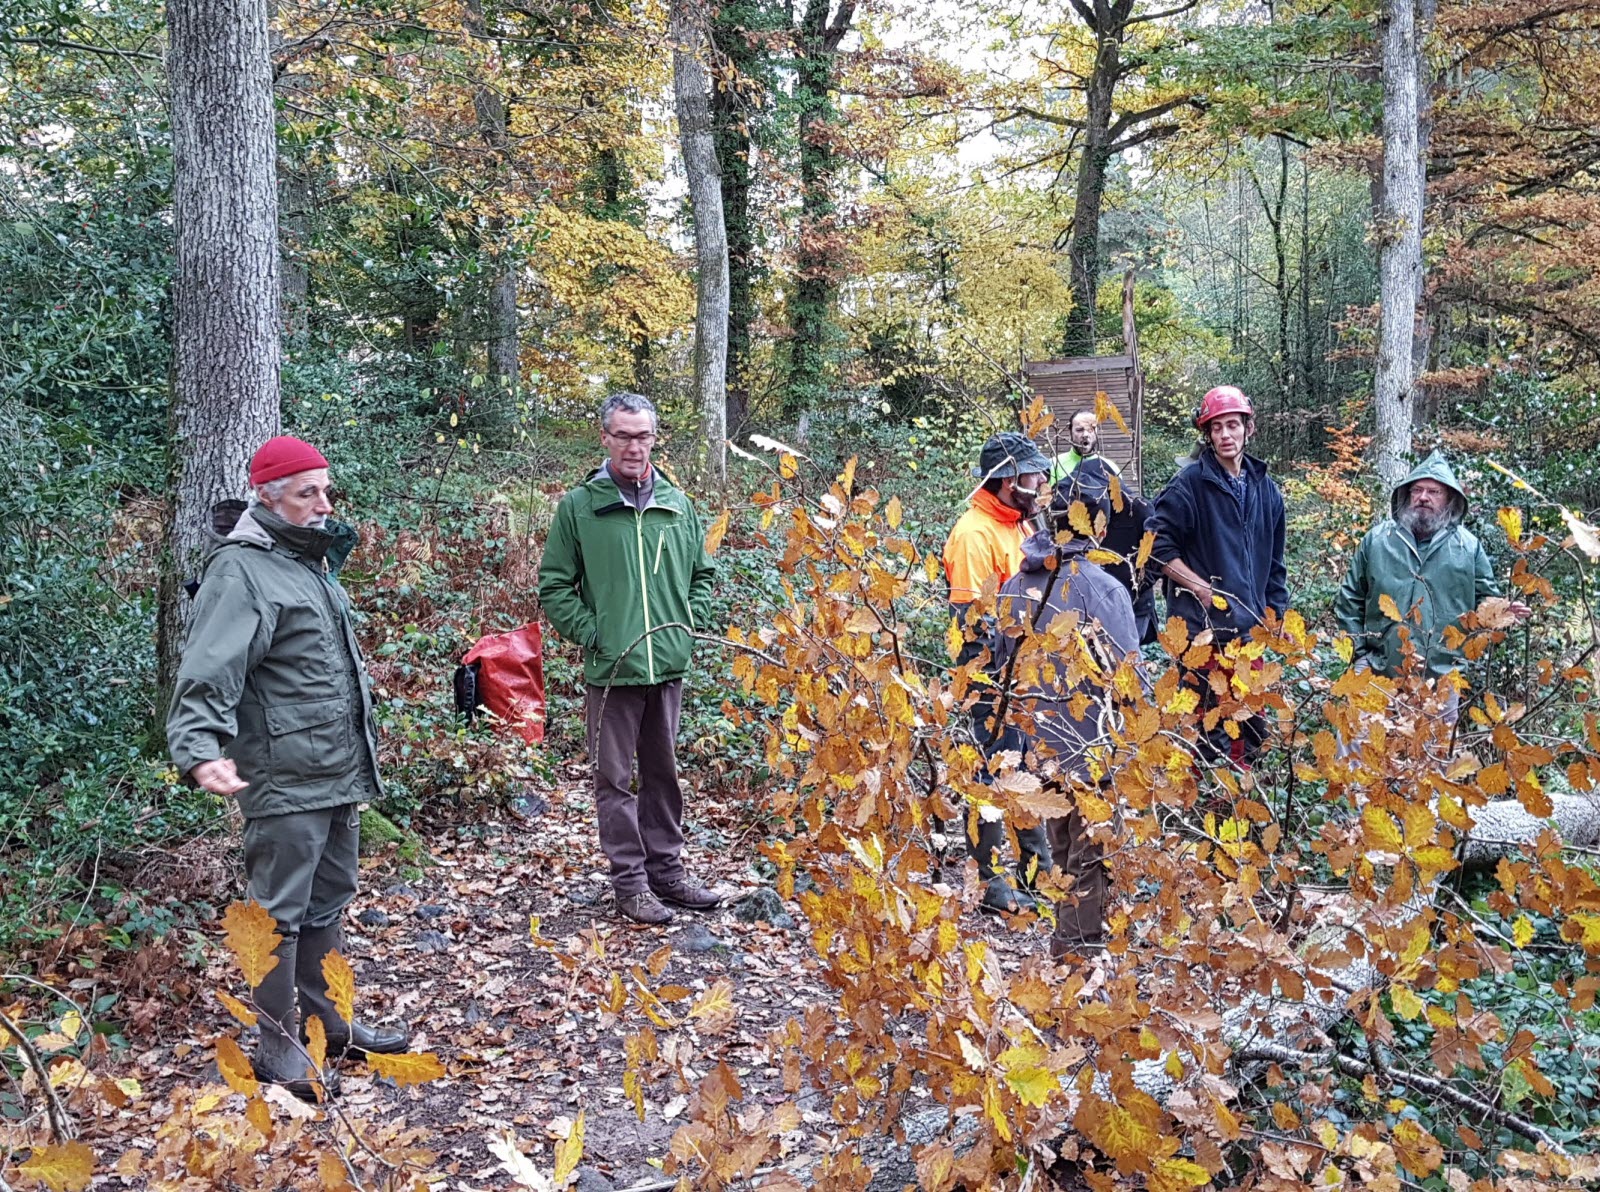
<point>625,575</point>
<point>272,705</point>
<point>1423,558</point>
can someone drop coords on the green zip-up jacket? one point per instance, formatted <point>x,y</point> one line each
<point>272,676</point>
<point>612,573</point>
<point>1449,574</point>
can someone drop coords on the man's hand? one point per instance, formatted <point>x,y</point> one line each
<point>219,777</point>
<point>1520,611</point>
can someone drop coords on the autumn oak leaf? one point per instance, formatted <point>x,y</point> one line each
<point>65,1168</point>
<point>407,1068</point>
<point>252,937</point>
<point>341,981</point>
<point>235,1067</point>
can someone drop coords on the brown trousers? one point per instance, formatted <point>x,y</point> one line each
<point>1080,914</point>
<point>641,833</point>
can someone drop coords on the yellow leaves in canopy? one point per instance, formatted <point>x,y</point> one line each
<point>643,291</point>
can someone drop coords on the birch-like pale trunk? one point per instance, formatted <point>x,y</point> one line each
<point>1400,238</point>
<point>225,290</point>
<point>691,86</point>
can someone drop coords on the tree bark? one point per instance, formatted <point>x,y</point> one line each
<point>731,133</point>
<point>1083,252</point>
<point>815,281</point>
<point>503,366</point>
<point>691,87</point>
<point>1400,234</point>
<point>226,349</point>
<point>1104,134</point>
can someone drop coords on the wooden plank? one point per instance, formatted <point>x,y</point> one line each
<point>1078,364</point>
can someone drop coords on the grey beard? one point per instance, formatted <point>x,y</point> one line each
<point>1423,523</point>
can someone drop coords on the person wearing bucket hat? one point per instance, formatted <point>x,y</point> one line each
<point>272,706</point>
<point>985,545</point>
<point>1055,724</point>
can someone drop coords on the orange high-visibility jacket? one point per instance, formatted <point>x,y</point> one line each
<point>986,540</point>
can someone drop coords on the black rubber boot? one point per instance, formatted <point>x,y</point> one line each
<point>986,846</point>
<point>1002,897</point>
<point>343,1038</point>
<point>1034,846</point>
<point>279,1057</point>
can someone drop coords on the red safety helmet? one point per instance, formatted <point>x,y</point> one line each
<point>1224,399</point>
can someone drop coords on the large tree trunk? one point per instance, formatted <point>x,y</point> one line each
<point>226,348</point>
<point>816,280</point>
<point>692,92</point>
<point>504,363</point>
<point>731,134</point>
<point>1083,251</point>
<point>1400,234</point>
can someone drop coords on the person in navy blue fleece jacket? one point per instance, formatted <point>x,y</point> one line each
<point>1219,532</point>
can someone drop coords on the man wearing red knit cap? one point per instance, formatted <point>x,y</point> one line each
<point>272,705</point>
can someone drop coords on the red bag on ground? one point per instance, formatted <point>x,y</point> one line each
<point>510,678</point>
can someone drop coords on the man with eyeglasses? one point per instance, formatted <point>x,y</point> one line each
<point>625,576</point>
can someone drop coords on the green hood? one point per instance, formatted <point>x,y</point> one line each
<point>1435,467</point>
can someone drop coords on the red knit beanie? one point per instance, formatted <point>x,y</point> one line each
<point>284,456</point>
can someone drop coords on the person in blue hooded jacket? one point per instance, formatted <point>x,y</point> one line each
<point>1219,535</point>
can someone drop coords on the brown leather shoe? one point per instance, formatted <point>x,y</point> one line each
<point>687,894</point>
<point>643,908</point>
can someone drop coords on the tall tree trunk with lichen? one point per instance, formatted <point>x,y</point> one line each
<point>1400,235</point>
<point>691,87</point>
<point>503,366</point>
<point>225,288</point>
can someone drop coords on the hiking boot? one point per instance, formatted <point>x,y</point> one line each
<point>1001,897</point>
<point>643,908</point>
<point>686,894</point>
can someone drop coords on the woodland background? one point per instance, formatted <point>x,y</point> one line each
<point>467,221</point>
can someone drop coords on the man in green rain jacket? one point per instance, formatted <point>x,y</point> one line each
<point>272,706</point>
<point>1422,557</point>
<point>625,576</point>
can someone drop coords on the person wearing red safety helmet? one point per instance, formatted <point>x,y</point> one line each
<point>1219,538</point>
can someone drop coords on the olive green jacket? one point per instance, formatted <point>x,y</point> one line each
<point>616,580</point>
<point>1444,577</point>
<point>272,676</point>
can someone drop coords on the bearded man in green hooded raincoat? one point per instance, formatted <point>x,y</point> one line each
<point>1423,559</point>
